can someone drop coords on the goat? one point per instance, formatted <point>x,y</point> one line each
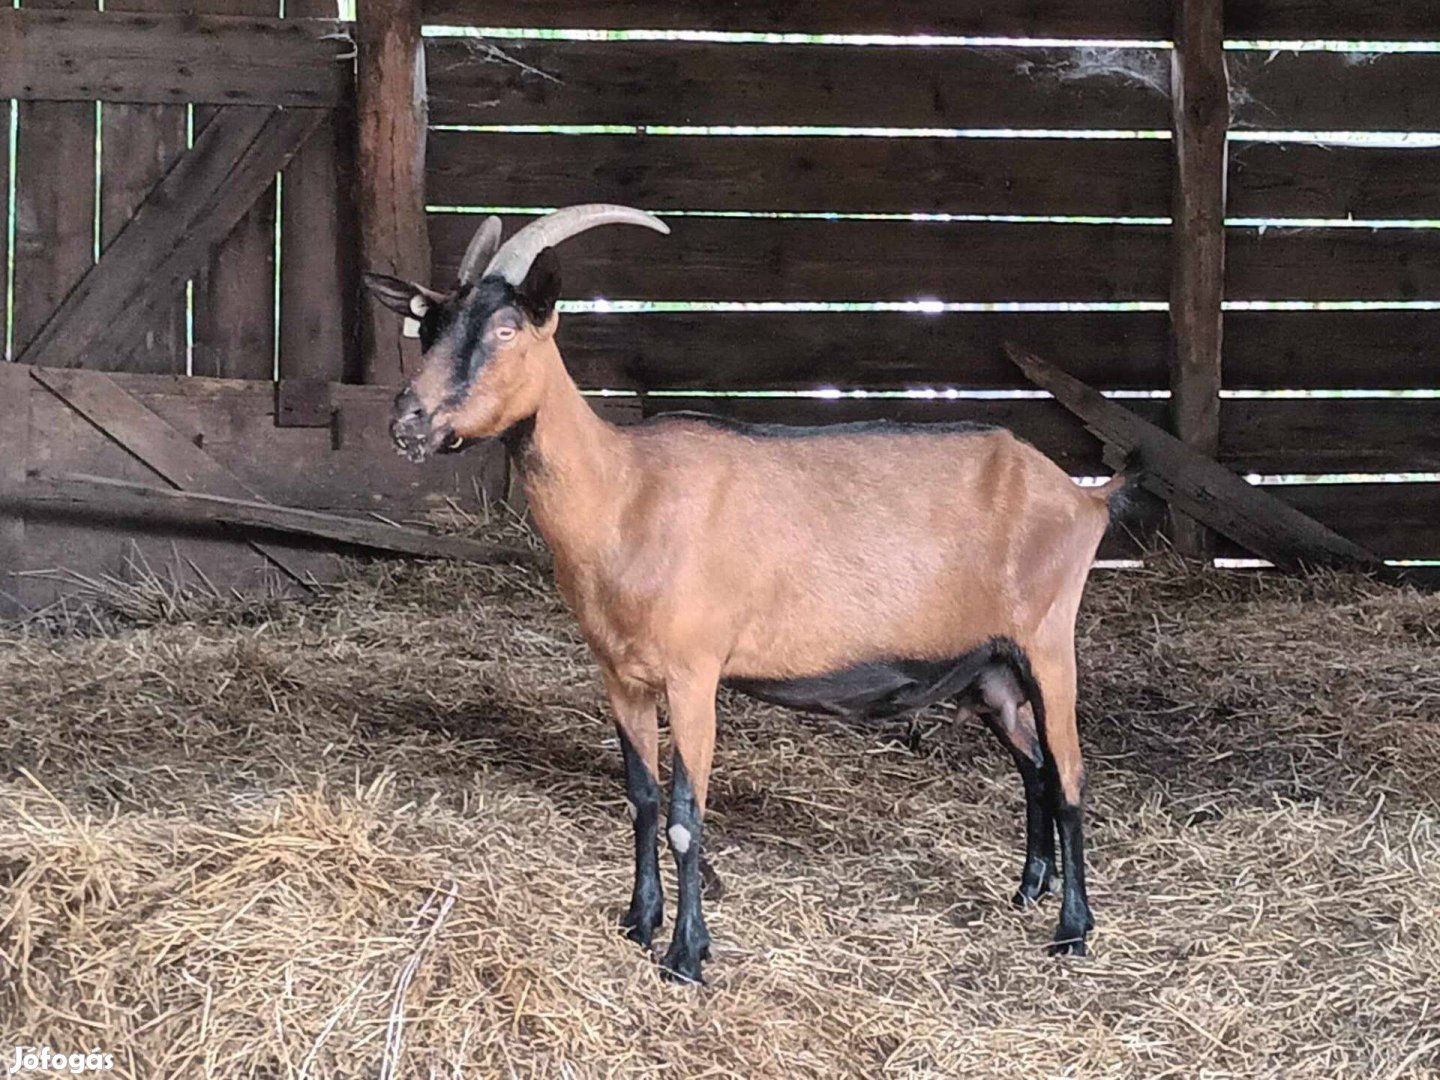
<point>858,569</point>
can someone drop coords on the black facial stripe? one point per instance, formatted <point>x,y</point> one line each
<point>459,326</point>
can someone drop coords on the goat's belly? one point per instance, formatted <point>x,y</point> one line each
<point>878,689</point>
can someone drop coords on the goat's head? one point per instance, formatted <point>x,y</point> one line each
<point>479,375</point>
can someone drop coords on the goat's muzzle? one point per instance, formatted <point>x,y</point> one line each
<point>415,432</point>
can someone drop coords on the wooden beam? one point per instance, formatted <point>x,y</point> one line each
<point>1193,483</point>
<point>144,58</point>
<point>123,418</point>
<point>138,502</point>
<point>1200,107</point>
<point>1033,18</point>
<point>173,232</point>
<point>391,122</point>
<point>14,460</point>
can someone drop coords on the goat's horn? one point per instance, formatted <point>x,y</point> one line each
<point>512,262</point>
<point>481,250</point>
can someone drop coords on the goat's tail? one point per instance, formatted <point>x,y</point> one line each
<point>1120,492</point>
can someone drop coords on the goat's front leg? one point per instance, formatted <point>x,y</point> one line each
<point>691,698</point>
<point>639,730</point>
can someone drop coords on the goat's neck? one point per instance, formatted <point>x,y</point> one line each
<point>574,468</point>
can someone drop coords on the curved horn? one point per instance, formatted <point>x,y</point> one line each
<point>512,262</point>
<point>481,250</point>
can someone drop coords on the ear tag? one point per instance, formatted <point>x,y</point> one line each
<point>419,306</point>
<point>411,328</point>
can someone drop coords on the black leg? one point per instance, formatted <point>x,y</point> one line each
<point>690,943</point>
<point>1075,919</point>
<point>647,901</point>
<point>1038,870</point>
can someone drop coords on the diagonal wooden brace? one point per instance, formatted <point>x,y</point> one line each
<point>182,221</point>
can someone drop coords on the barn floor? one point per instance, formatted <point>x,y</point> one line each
<point>229,832</point>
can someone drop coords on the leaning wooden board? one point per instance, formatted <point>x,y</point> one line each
<point>1195,485</point>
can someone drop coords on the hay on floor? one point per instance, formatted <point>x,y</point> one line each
<point>383,833</point>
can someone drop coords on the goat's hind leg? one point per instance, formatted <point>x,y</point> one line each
<point>1002,704</point>
<point>636,721</point>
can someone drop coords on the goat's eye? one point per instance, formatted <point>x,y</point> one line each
<point>504,333</point>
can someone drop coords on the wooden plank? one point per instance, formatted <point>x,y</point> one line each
<point>98,495</point>
<point>473,81</point>
<point>235,293</point>
<point>1367,92</point>
<point>168,239</point>
<point>1330,350</point>
<point>391,122</point>
<point>1200,117</point>
<point>1307,180</point>
<point>350,466</point>
<point>746,350</point>
<point>180,461</point>
<point>1333,264</point>
<point>1040,422</point>
<point>138,145</point>
<point>760,259</point>
<point>5,108</point>
<point>1122,177</point>
<point>1306,436</point>
<point>1395,521</point>
<point>80,54</point>
<point>1196,485</point>
<point>54,199</point>
<point>1148,19</point>
<point>1331,435</point>
<point>318,246</point>
<point>14,460</point>
<point>1345,20</point>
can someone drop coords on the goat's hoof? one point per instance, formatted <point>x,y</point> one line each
<point>682,961</point>
<point>681,970</point>
<point>1035,885</point>
<point>1069,941</point>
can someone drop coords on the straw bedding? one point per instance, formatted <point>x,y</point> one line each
<point>382,833</point>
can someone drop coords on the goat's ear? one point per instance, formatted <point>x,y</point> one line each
<point>541,287</point>
<point>403,297</point>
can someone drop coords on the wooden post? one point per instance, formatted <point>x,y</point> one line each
<point>391,120</point>
<point>1200,102</point>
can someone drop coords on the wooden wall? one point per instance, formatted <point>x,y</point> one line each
<point>183,218</point>
<point>820,225</point>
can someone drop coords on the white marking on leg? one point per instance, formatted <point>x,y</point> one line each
<point>632,809</point>
<point>679,839</point>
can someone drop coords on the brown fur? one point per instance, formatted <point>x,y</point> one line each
<point>692,553</point>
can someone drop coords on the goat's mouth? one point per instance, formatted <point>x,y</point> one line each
<point>418,442</point>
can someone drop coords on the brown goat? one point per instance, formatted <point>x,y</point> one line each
<point>859,569</point>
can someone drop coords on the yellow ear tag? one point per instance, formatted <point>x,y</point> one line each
<point>411,328</point>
